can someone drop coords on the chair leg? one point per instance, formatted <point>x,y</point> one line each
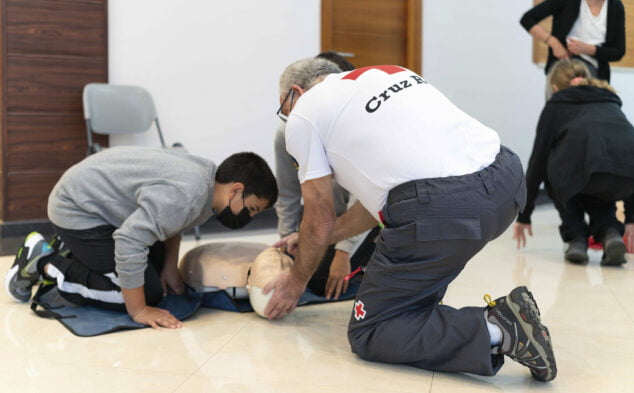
<point>197,232</point>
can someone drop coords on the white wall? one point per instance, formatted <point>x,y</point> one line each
<point>477,54</point>
<point>211,66</point>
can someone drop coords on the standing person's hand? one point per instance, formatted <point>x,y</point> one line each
<point>156,317</point>
<point>629,238</point>
<point>577,47</point>
<point>519,234</point>
<point>559,50</point>
<point>339,269</point>
<point>171,279</point>
<point>288,289</point>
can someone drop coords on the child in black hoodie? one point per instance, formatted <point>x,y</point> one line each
<point>583,153</point>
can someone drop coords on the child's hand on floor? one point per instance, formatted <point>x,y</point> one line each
<point>157,318</point>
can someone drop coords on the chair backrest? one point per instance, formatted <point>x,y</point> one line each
<point>114,109</point>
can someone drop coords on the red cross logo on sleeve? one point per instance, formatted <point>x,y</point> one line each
<point>359,311</point>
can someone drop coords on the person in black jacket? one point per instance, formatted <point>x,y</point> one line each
<point>576,31</point>
<point>583,153</point>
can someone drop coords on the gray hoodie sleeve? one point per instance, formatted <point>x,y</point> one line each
<point>288,206</point>
<point>163,211</point>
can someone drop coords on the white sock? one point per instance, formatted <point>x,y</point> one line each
<point>494,332</point>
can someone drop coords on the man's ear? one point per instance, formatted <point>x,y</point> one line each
<point>298,90</point>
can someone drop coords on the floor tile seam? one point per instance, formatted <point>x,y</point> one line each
<point>618,299</point>
<point>220,348</point>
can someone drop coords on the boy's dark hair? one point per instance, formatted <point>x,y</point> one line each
<point>252,171</point>
<point>336,58</point>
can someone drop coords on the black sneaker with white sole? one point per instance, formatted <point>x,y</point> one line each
<point>23,274</point>
<point>524,338</point>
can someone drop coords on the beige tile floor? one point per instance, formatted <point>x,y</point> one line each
<point>589,310</point>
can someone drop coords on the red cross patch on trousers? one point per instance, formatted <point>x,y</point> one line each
<point>359,310</point>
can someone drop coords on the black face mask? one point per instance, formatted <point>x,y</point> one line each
<point>234,221</point>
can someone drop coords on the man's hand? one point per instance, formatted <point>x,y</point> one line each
<point>519,235</point>
<point>290,242</point>
<point>171,279</point>
<point>339,268</point>
<point>156,317</point>
<point>288,289</point>
<point>629,237</point>
<point>577,47</point>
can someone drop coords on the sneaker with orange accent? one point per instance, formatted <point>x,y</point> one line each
<point>524,338</point>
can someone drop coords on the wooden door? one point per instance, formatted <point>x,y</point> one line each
<point>373,32</point>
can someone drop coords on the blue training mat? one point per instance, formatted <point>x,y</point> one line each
<point>88,321</point>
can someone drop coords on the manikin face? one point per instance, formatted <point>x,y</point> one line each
<point>268,265</point>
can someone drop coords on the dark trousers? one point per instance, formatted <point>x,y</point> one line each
<point>573,223</point>
<point>361,256</point>
<point>433,227</point>
<point>88,275</point>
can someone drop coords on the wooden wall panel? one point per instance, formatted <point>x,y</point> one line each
<point>47,27</point>
<point>50,50</point>
<point>28,195</point>
<point>49,84</point>
<point>36,142</point>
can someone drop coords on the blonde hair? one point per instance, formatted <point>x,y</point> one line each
<point>569,73</point>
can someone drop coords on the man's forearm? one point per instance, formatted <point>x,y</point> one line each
<point>356,220</point>
<point>313,242</point>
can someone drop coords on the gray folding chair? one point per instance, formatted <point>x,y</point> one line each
<point>117,109</point>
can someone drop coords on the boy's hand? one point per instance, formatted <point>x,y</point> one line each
<point>339,269</point>
<point>157,317</point>
<point>171,279</point>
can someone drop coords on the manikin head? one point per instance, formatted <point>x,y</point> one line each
<point>268,265</point>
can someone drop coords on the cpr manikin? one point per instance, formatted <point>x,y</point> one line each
<point>268,265</point>
<point>241,269</point>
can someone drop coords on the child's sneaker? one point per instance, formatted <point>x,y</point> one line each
<point>23,273</point>
<point>524,338</point>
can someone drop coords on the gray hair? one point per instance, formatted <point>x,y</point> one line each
<point>306,73</point>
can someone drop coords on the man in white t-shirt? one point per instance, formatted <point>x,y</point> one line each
<point>442,185</point>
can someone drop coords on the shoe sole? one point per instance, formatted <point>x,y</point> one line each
<point>526,306</point>
<point>576,257</point>
<point>7,283</point>
<point>614,253</point>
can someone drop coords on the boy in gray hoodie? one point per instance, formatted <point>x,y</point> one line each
<point>120,214</point>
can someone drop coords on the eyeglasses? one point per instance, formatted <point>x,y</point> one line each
<point>279,113</point>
